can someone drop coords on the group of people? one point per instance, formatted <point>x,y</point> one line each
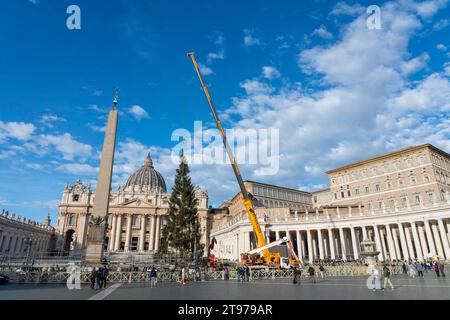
<point>311,273</point>
<point>99,277</point>
<point>413,269</point>
<point>243,272</point>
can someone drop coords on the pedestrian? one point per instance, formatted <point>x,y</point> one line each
<point>226,273</point>
<point>322,271</point>
<point>312,273</point>
<point>376,280</point>
<point>297,274</point>
<point>183,276</point>
<point>247,273</point>
<point>98,275</point>
<point>92,277</point>
<point>387,277</point>
<point>243,274</point>
<point>436,269</point>
<point>441,268</point>
<point>420,268</point>
<point>404,268</point>
<point>153,277</point>
<point>412,270</point>
<point>105,274</point>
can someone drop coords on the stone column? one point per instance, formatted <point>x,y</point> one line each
<point>128,235</point>
<point>355,244</point>
<point>299,244</point>
<point>409,243</point>
<point>392,254</point>
<point>440,250</point>
<point>112,233</point>
<point>343,248</point>
<point>403,242</point>
<point>396,243</point>
<point>378,242</point>
<point>331,239</point>
<point>310,247</point>
<point>277,235</point>
<point>320,240</point>
<point>152,233</point>
<point>383,243</point>
<point>430,237</point>
<point>444,238</point>
<point>118,237</point>
<point>158,232</point>
<point>2,234</point>
<point>364,232</point>
<point>416,241</point>
<point>142,236</point>
<point>423,241</point>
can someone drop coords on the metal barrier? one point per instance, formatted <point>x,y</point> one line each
<point>175,276</point>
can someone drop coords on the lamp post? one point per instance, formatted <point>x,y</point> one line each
<point>29,244</point>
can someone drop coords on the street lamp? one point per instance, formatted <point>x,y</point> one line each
<point>29,243</point>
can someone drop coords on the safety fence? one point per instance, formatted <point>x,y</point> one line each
<point>191,275</point>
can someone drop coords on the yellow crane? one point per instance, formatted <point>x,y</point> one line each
<point>247,198</point>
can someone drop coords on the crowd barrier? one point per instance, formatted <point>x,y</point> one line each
<point>175,276</point>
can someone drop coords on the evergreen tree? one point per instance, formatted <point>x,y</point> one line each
<point>182,230</point>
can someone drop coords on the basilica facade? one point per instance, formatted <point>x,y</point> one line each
<point>137,214</point>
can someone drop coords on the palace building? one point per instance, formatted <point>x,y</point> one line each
<point>400,200</point>
<point>137,213</point>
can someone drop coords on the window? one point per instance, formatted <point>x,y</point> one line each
<point>357,191</point>
<point>417,199</point>
<point>422,159</point>
<point>426,178</point>
<point>386,168</point>
<point>377,187</point>
<point>413,180</point>
<point>374,171</point>
<point>367,190</point>
<point>348,193</point>
<point>392,204</point>
<point>409,163</point>
<point>431,197</point>
<point>76,198</point>
<point>398,165</point>
<point>380,204</point>
<point>72,220</point>
<point>405,201</point>
<point>389,185</point>
<point>136,221</point>
<point>369,206</point>
<point>342,195</point>
<point>364,173</point>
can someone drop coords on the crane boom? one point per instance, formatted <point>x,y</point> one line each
<point>247,198</point>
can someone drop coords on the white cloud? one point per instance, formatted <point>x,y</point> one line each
<point>270,72</point>
<point>77,169</point>
<point>64,144</point>
<point>322,32</point>
<point>250,40</point>
<point>441,47</point>
<point>35,2</point>
<point>342,8</point>
<point>16,130</point>
<point>205,70</point>
<point>96,128</point>
<point>48,120</point>
<point>138,112</point>
<point>216,56</point>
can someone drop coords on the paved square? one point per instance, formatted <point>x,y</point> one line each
<point>429,288</point>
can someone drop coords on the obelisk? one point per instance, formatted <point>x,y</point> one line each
<point>97,224</point>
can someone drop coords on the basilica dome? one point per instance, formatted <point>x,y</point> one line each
<point>146,178</point>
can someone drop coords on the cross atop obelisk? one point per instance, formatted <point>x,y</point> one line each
<point>97,223</point>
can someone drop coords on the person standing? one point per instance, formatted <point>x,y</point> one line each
<point>92,277</point>
<point>247,273</point>
<point>153,277</point>
<point>322,271</point>
<point>98,276</point>
<point>420,268</point>
<point>105,274</point>
<point>387,277</point>
<point>441,268</point>
<point>436,269</point>
<point>312,273</point>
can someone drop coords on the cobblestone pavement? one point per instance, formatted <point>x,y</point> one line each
<point>430,287</point>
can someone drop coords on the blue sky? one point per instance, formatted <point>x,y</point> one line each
<point>337,91</point>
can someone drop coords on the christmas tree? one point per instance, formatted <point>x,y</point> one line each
<point>181,234</point>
